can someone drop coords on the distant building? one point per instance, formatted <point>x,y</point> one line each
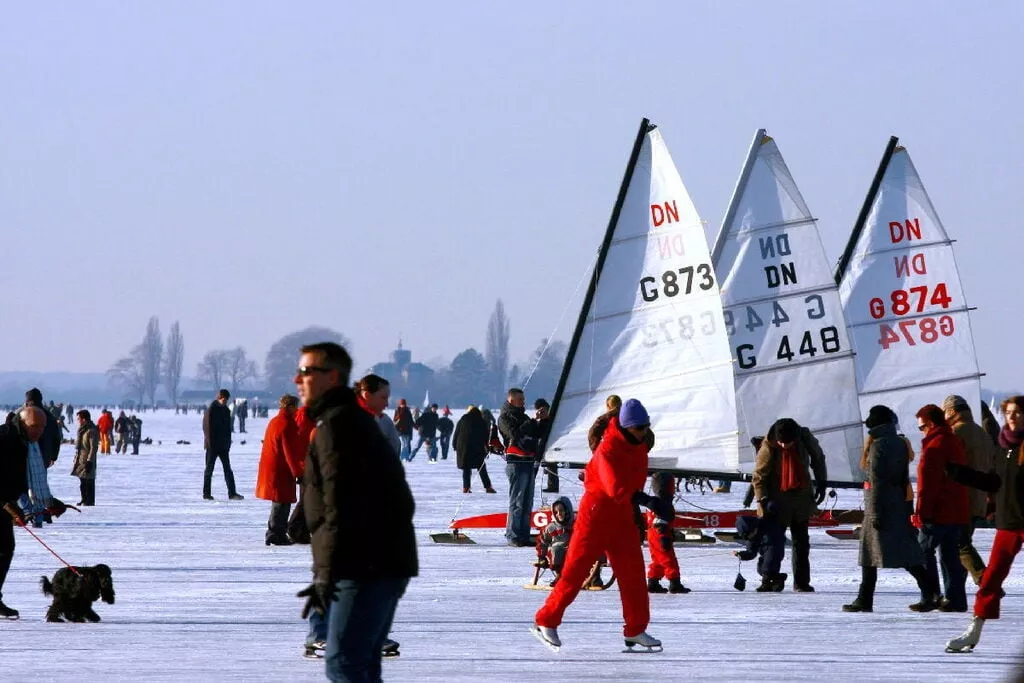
<point>408,379</point>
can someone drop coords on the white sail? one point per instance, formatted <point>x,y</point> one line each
<point>426,400</point>
<point>783,316</point>
<point>653,330</point>
<point>904,303</point>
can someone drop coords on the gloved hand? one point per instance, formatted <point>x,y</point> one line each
<point>16,514</point>
<point>820,489</point>
<point>641,498</point>
<point>666,541</point>
<point>318,597</point>
<point>661,509</point>
<point>876,524</point>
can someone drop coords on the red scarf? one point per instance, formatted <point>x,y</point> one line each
<point>364,406</point>
<point>792,473</point>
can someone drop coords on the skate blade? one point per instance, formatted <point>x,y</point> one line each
<point>962,651</point>
<point>642,649</point>
<point>537,634</point>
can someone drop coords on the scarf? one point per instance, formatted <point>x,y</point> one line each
<point>793,473</point>
<point>1009,438</point>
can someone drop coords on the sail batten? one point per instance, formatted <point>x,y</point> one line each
<point>904,302</point>
<point>784,317</point>
<point>652,328</point>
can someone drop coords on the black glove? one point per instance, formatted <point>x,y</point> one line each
<point>661,509</point>
<point>819,493</point>
<point>318,596</point>
<point>666,541</point>
<point>641,498</point>
<point>876,524</point>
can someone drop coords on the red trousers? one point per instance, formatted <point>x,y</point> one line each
<point>1005,547</point>
<point>663,562</point>
<point>602,528</point>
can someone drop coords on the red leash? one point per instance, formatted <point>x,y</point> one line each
<point>66,563</point>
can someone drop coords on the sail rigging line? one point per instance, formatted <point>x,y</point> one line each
<point>561,318</point>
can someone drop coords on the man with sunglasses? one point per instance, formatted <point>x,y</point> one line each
<point>354,487</point>
<point>217,440</point>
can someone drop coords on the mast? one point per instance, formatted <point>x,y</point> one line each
<point>645,128</point>
<point>844,260</point>
<point>741,184</point>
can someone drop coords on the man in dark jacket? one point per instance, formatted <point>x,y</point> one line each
<point>519,433</point>
<point>360,573</point>
<point>217,441</point>
<point>426,425</point>
<point>445,426</point>
<point>403,423</point>
<point>49,442</point>
<point>25,427</point>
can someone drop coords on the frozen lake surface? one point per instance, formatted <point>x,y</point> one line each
<point>201,598</point>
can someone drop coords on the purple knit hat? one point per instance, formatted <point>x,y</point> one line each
<point>633,414</point>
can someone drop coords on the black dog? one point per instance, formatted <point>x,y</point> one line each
<point>73,594</point>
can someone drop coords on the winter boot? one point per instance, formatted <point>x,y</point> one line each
<point>966,641</point>
<point>676,586</point>
<point>859,605</point>
<point>766,584</point>
<point>315,650</point>
<point>7,612</point>
<point>779,582</point>
<point>644,640</point>
<point>389,648</point>
<point>654,586</point>
<point>926,604</point>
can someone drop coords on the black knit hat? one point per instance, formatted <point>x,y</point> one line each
<point>878,416</point>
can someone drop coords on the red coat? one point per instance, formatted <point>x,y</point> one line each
<point>617,471</point>
<point>940,500</point>
<point>281,460</point>
<point>106,423</point>
<point>305,436</point>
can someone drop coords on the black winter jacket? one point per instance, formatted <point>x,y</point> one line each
<point>13,464</point>
<point>217,428</point>
<point>358,505</point>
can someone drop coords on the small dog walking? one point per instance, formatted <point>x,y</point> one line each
<point>73,594</point>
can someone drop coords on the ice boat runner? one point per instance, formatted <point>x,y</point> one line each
<point>903,301</point>
<point>784,317</point>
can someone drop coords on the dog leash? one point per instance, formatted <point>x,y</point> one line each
<point>66,563</point>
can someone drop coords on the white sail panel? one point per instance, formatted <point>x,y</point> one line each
<point>904,303</point>
<point>784,317</point>
<point>655,331</point>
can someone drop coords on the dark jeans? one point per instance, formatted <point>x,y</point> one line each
<point>801,556</point>
<point>773,548</point>
<point>551,477</point>
<point>277,525</point>
<point>485,479</point>
<point>87,487</point>
<point>869,578</point>
<point>6,547</point>
<point>229,476</point>
<point>946,539</point>
<point>521,479</point>
<point>358,622</point>
<point>445,440</point>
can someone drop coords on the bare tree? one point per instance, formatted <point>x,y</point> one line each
<point>152,355</point>
<point>173,360</point>
<point>212,369</point>
<point>128,374</point>
<point>496,352</point>
<point>283,356</point>
<point>238,367</point>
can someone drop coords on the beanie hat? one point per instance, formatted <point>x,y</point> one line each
<point>878,416</point>
<point>540,403</point>
<point>955,403</point>
<point>633,414</point>
<point>34,397</point>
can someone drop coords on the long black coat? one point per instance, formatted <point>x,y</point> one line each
<point>471,434</point>
<point>358,505</point>
<point>895,544</point>
<point>217,428</point>
<point>13,465</point>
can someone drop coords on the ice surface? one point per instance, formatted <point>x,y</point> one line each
<point>201,598</point>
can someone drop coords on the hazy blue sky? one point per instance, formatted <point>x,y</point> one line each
<point>250,168</point>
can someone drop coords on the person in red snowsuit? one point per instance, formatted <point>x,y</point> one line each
<point>660,539</point>
<point>614,478</point>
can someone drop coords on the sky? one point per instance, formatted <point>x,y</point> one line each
<point>392,169</point>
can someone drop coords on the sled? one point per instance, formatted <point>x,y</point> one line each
<point>587,584</point>
<point>845,534</point>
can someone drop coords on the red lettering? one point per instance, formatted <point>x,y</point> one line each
<point>667,213</point>
<point>908,230</point>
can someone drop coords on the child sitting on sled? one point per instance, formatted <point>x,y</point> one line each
<point>660,537</point>
<point>553,540</point>
<point>766,540</point>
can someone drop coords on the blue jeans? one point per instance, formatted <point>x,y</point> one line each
<point>521,479</point>
<point>726,486</point>
<point>406,440</point>
<point>358,622</point>
<point>416,448</point>
<point>317,628</point>
<point>445,440</point>
<point>946,539</point>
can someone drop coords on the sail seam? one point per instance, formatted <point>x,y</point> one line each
<point>810,220</point>
<point>775,297</point>
<point>908,316</point>
<point>941,380</point>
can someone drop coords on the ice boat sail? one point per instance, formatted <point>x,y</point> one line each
<point>903,301</point>
<point>651,327</point>
<point>784,317</point>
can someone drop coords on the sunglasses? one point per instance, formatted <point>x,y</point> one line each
<point>923,428</point>
<point>307,370</point>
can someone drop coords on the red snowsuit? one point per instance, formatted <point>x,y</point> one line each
<point>659,536</point>
<point>605,525</point>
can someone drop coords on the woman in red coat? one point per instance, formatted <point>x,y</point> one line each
<point>281,464</point>
<point>614,479</point>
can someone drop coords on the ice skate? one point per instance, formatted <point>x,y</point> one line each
<point>8,612</point>
<point>315,650</point>
<point>650,643</point>
<point>548,636</point>
<point>966,641</point>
